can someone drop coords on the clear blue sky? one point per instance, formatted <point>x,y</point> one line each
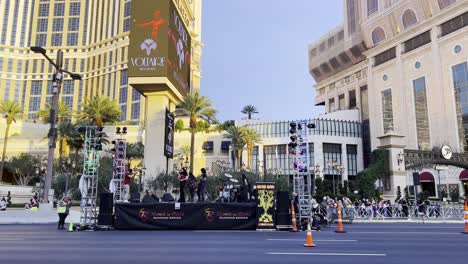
<point>256,53</point>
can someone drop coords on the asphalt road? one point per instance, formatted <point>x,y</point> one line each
<point>363,243</point>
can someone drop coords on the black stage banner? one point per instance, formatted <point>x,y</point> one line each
<point>266,205</point>
<point>203,216</point>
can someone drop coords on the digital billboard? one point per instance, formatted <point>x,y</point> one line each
<point>160,44</point>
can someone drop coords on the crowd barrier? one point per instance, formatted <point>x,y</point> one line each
<point>431,212</point>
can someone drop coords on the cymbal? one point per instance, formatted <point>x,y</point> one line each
<point>228,175</point>
<point>234,180</point>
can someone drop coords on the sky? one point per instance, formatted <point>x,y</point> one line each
<point>256,52</point>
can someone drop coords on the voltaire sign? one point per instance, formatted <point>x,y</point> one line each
<point>159,43</point>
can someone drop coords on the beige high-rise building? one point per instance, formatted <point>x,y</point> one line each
<point>94,36</point>
<point>404,65</point>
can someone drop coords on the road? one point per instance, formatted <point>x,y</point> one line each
<point>363,243</point>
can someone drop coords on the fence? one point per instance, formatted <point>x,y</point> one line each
<point>451,212</point>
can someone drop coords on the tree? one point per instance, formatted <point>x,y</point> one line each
<point>64,113</point>
<point>249,110</point>
<point>100,111</point>
<point>251,137</point>
<point>236,135</point>
<point>179,125</point>
<point>23,168</point>
<point>11,111</point>
<point>195,107</point>
<point>135,151</point>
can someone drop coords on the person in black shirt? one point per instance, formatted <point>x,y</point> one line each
<point>202,185</point>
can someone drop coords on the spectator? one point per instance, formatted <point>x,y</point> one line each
<point>3,204</point>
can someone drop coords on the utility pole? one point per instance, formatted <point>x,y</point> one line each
<point>53,118</point>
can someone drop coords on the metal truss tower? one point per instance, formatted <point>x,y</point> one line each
<point>89,181</point>
<point>301,173</point>
<point>119,160</point>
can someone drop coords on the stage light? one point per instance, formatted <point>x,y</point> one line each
<point>311,126</point>
<point>299,126</point>
<point>117,130</point>
<point>124,130</point>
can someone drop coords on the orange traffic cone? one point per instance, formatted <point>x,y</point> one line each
<point>293,218</point>
<point>340,220</point>
<point>466,217</point>
<point>309,240</point>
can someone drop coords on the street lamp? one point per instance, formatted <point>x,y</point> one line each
<point>67,167</point>
<point>316,173</point>
<point>56,85</point>
<point>338,167</point>
<point>140,171</point>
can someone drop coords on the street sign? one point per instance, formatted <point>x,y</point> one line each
<point>441,167</point>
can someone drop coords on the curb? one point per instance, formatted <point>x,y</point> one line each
<point>408,221</point>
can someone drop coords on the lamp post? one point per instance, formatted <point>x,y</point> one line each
<point>41,172</point>
<point>68,166</point>
<point>316,172</point>
<point>338,167</point>
<point>140,171</point>
<point>56,86</point>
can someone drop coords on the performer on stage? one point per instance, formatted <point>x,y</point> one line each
<point>182,180</point>
<point>202,185</point>
<point>192,186</point>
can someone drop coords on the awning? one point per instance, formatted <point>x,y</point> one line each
<point>426,177</point>
<point>225,145</point>
<point>464,175</point>
<point>208,145</point>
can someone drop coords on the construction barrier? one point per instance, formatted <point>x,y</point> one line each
<point>466,217</point>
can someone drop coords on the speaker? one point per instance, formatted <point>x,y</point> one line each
<point>106,203</point>
<point>105,219</point>
<point>135,197</point>
<point>282,217</point>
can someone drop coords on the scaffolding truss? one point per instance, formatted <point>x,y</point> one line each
<point>119,160</point>
<point>89,181</point>
<point>302,178</point>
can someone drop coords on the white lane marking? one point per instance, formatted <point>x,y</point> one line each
<point>228,231</point>
<point>329,254</point>
<point>319,240</point>
<point>412,233</point>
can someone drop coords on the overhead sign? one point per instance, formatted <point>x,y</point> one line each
<point>160,44</point>
<point>169,135</point>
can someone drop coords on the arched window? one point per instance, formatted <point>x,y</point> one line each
<point>409,18</point>
<point>378,35</point>
<point>444,3</point>
<point>372,6</point>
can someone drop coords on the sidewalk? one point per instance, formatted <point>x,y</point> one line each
<point>45,215</point>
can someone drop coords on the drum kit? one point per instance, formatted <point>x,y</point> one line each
<point>229,191</point>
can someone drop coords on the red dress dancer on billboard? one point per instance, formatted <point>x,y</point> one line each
<point>154,24</point>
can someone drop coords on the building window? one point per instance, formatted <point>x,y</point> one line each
<point>311,155</point>
<point>42,25</point>
<point>445,3</point>
<point>72,39</point>
<point>255,159</point>
<point>331,105</point>
<point>331,155</point>
<point>43,10</point>
<point>387,110</point>
<point>56,39</point>
<point>372,6</point>
<point>34,104</point>
<point>123,95</point>
<point>74,24</point>
<point>68,101</point>
<point>341,35</point>
<point>59,9</point>
<point>36,87</point>
<point>331,41</point>
<point>341,102</point>
<point>225,149</point>
<point>409,18</point>
<point>422,119</point>
<point>57,25</point>
<point>208,147</point>
<point>124,77</point>
<point>352,99</point>
<point>460,85</point>
<point>351,12</point>
<point>135,95</point>
<point>351,155</point>
<point>68,87</point>
<point>385,56</point>
<point>454,24</point>
<point>276,159</point>
<point>127,12</point>
<point>378,35</point>
<point>75,9</point>
<point>135,111</point>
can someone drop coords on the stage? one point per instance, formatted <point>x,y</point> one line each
<point>192,216</point>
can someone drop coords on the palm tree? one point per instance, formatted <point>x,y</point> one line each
<point>249,110</point>
<point>11,110</point>
<point>251,137</point>
<point>100,110</point>
<point>64,112</point>
<point>237,136</point>
<point>195,107</point>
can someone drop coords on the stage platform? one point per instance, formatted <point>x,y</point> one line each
<point>183,216</point>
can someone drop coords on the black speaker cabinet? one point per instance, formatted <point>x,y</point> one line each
<point>135,197</point>
<point>106,203</point>
<point>282,217</point>
<point>105,219</point>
